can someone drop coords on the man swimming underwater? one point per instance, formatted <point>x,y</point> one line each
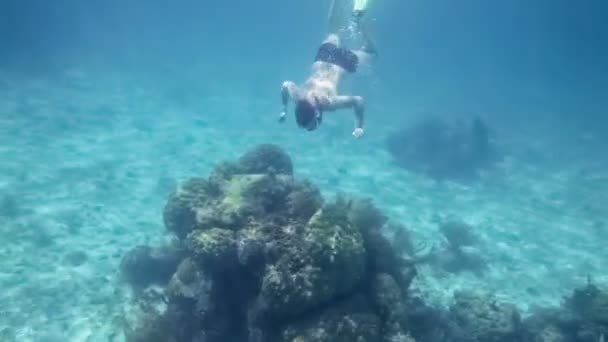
<point>319,93</point>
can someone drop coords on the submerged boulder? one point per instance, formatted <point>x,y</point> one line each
<point>482,318</point>
<point>266,259</point>
<point>442,148</point>
<point>261,257</point>
<point>266,159</point>
<point>237,192</point>
<point>144,265</point>
<point>214,249</point>
<point>314,263</point>
<point>347,321</point>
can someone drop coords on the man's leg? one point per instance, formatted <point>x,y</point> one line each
<point>362,56</point>
<point>332,38</point>
<point>368,49</point>
<point>368,46</point>
<point>365,53</point>
<point>333,24</point>
<point>335,18</point>
<point>331,17</point>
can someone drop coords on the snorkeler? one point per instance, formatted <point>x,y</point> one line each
<point>319,93</point>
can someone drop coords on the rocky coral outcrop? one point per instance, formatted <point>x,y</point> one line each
<point>350,320</point>
<point>144,265</point>
<point>483,318</point>
<point>583,317</point>
<point>267,259</point>
<point>442,148</point>
<point>260,256</point>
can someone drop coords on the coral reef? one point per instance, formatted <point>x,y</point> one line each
<point>583,317</point>
<point>458,234</point>
<point>459,252</point>
<point>443,149</point>
<point>266,158</point>
<point>482,318</point>
<point>259,256</point>
<point>143,265</point>
<point>264,258</point>
<point>260,186</point>
<point>351,320</point>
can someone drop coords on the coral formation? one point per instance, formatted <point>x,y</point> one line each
<point>458,234</point>
<point>144,265</point>
<point>261,257</point>
<point>459,252</point>
<point>482,318</point>
<point>351,320</point>
<point>443,149</point>
<point>260,185</point>
<point>582,318</point>
<point>266,159</point>
<point>265,258</point>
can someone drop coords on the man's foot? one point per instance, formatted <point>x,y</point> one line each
<point>370,49</point>
<point>357,15</point>
<point>358,132</point>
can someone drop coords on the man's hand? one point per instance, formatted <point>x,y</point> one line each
<point>358,132</point>
<point>282,116</point>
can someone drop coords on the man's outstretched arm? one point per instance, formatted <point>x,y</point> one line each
<point>354,102</point>
<point>288,92</point>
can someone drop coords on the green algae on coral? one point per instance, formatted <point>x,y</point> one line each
<point>214,248</point>
<point>235,190</point>
<point>184,204</point>
<point>591,302</point>
<point>266,159</point>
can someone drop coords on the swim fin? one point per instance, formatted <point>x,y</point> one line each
<point>359,7</point>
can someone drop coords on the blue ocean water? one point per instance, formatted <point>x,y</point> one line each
<point>106,106</point>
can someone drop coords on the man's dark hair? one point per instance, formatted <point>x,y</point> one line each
<point>305,113</point>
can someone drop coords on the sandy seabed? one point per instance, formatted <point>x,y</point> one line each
<point>87,163</point>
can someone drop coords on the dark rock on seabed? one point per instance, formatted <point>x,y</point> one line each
<point>260,256</point>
